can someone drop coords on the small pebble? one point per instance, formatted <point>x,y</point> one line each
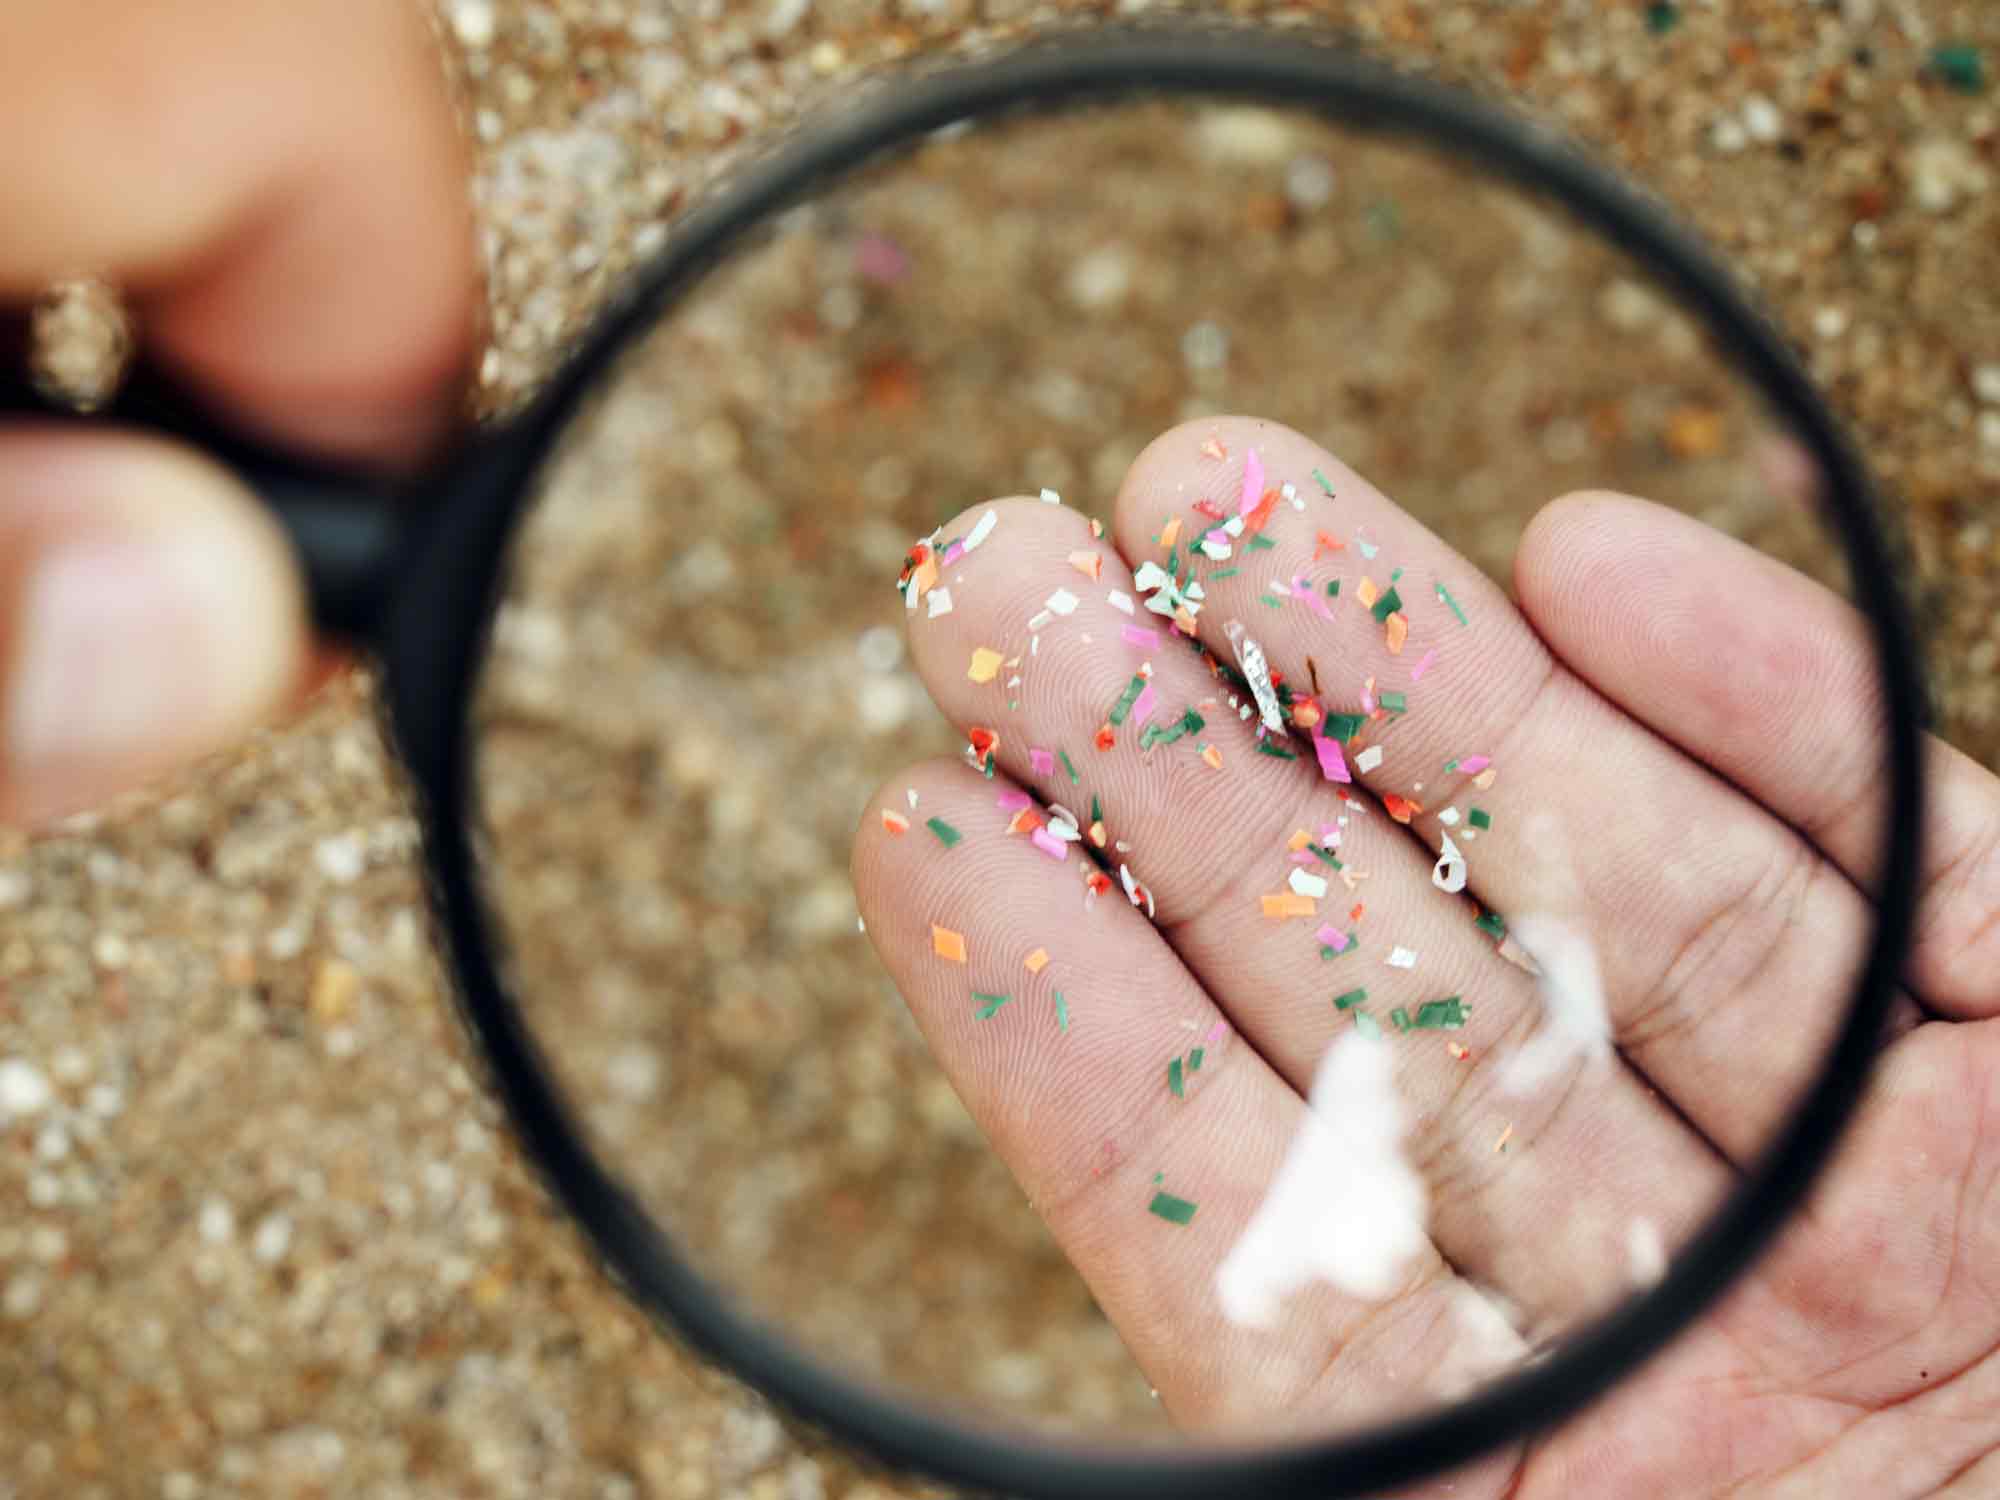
<point>216,1222</point>
<point>1986,383</point>
<point>272,1239</point>
<point>1728,136</point>
<point>23,1089</point>
<point>341,859</point>
<point>1762,120</point>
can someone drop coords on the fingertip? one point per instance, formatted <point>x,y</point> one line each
<point>150,613</point>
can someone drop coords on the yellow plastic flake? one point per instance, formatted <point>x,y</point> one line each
<point>948,945</point>
<point>985,664</point>
<point>1037,961</point>
<point>1172,533</point>
<point>1367,593</point>
<point>1398,625</point>
<point>1212,756</point>
<point>1299,839</point>
<point>1285,904</point>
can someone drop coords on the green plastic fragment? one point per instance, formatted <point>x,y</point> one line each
<point>1333,589</point>
<point>1324,483</point>
<point>1194,1059</point>
<point>1401,1018</point>
<point>1062,1011</point>
<point>1662,16</point>
<point>1491,922</point>
<point>1440,1015</point>
<point>1127,698</point>
<point>1367,1025</point>
<point>1344,727</point>
<point>1096,809</point>
<point>1259,543</point>
<point>1324,856</point>
<point>1351,999</point>
<point>1069,766</point>
<point>1176,1083</point>
<point>1960,65</point>
<point>1173,1210</point>
<point>1396,703</point>
<point>1223,573</point>
<point>946,834</point>
<point>1479,817</point>
<point>989,1005</point>
<point>1274,750</point>
<point>1387,605</point>
<point>1445,594</point>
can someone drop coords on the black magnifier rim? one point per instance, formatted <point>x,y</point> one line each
<point>435,644</point>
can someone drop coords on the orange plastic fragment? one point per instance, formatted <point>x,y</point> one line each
<point>894,822</point>
<point>1299,839</point>
<point>1089,564</point>
<point>1326,542</point>
<point>984,741</point>
<point>926,577</point>
<point>1098,835</point>
<point>1099,882</point>
<point>1037,961</point>
<point>948,945</point>
<point>1285,904</point>
<point>1106,737</point>
<point>1027,820</point>
<point>1305,712</point>
<point>1260,513</point>
<point>1171,533</point>
<point>1212,756</point>
<point>1398,627</point>
<point>1402,809</point>
<point>1354,912</point>
<point>1367,593</point>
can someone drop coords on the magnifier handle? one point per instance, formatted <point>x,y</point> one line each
<point>346,524</point>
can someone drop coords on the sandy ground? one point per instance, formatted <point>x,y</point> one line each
<point>268,1236</point>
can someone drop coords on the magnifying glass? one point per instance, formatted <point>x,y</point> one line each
<point>868,465</point>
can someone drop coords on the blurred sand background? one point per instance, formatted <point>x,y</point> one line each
<point>268,1236</point>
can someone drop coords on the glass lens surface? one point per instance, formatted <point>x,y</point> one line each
<point>1329,933</point>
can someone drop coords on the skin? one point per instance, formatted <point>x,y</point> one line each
<point>317,274</point>
<point>1686,769</point>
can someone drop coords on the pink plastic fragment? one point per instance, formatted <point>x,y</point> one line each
<point>1332,764</point>
<point>1049,844</point>
<point>1139,636</point>
<point>953,553</point>
<point>1142,706</point>
<point>1472,765</point>
<point>1429,661</point>
<point>1216,1033</point>
<point>1253,482</point>
<point>1332,936</point>
<point>1042,762</point>
<point>1015,801</point>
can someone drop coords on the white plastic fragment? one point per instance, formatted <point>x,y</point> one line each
<point>1402,958</point>
<point>1305,883</point>
<point>1449,817</point>
<point>982,529</point>
<point>1050,497</point>
<point>1257,672</point>
<point>940,602</point>
<point>1368,759</point>
<point>1062,601</point>
<point>1120,601</point>
<point>1345,1206</point>
<point>1576,1023</point>
<point>1448,874</point>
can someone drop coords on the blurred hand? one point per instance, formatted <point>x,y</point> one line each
<point>1686,740</point>
<point>279,187</point>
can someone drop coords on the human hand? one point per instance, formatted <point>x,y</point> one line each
<point>280,190</point>
<point>1684,751</point>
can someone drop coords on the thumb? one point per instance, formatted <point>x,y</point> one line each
<point>150,612</point>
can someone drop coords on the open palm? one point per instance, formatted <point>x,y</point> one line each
<point>1680,758</point>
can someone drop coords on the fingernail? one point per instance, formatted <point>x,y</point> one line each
<point>124,656</point>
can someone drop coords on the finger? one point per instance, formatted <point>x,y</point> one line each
<point>282,187</point>
<point>1772,680</point>
<point>1591,817</point>
<point>149,613</point>
<point>1209,839</point>
<point>1075,1112</point>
